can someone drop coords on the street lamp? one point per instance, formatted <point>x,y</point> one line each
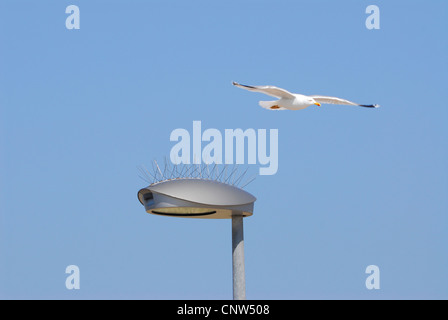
<point>207,197</point>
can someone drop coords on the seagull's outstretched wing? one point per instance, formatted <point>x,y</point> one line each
<point>269,90</point>
<point>334,100</point>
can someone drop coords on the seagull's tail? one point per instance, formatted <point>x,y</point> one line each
<point>271,105</point>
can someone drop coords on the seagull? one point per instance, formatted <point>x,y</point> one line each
<point>295,101</point>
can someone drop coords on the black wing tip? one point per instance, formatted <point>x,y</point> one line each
<point>370,105</point>
<point>242,85</point>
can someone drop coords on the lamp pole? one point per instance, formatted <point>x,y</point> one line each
<point>207,199</point>
<point>239,278</point>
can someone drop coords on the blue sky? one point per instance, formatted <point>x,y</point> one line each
<point>80,109</point>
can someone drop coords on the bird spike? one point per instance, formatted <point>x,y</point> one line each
<point>205,171</point>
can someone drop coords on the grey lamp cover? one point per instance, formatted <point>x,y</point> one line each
<point>196,198</point>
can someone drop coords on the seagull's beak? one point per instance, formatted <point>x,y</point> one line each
<point>317,104</point>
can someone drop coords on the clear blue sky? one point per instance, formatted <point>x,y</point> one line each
<point>80,109</point>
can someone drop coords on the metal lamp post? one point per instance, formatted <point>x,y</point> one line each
<point>207,199</point>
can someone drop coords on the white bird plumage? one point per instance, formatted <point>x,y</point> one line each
<point>295,101</point>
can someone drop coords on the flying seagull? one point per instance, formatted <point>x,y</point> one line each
<point>295,101</point>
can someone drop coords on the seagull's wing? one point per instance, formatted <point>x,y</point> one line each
<point>334,100</point>
<point>269,90</point>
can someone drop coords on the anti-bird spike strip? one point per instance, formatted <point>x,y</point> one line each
<point>220,173</point>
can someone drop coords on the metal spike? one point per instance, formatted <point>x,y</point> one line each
<point>222,171</point>
<point>235,176</point>
<point>152,176</point>
<point>240,177</point>
<point>160,171</point>
<point>154,170</point>
<point>233,171</point>
<point>208,172</point>
<point>142,175</point>
<point>242,187</point>
<point>213,174</point>
<point>164,169</point>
